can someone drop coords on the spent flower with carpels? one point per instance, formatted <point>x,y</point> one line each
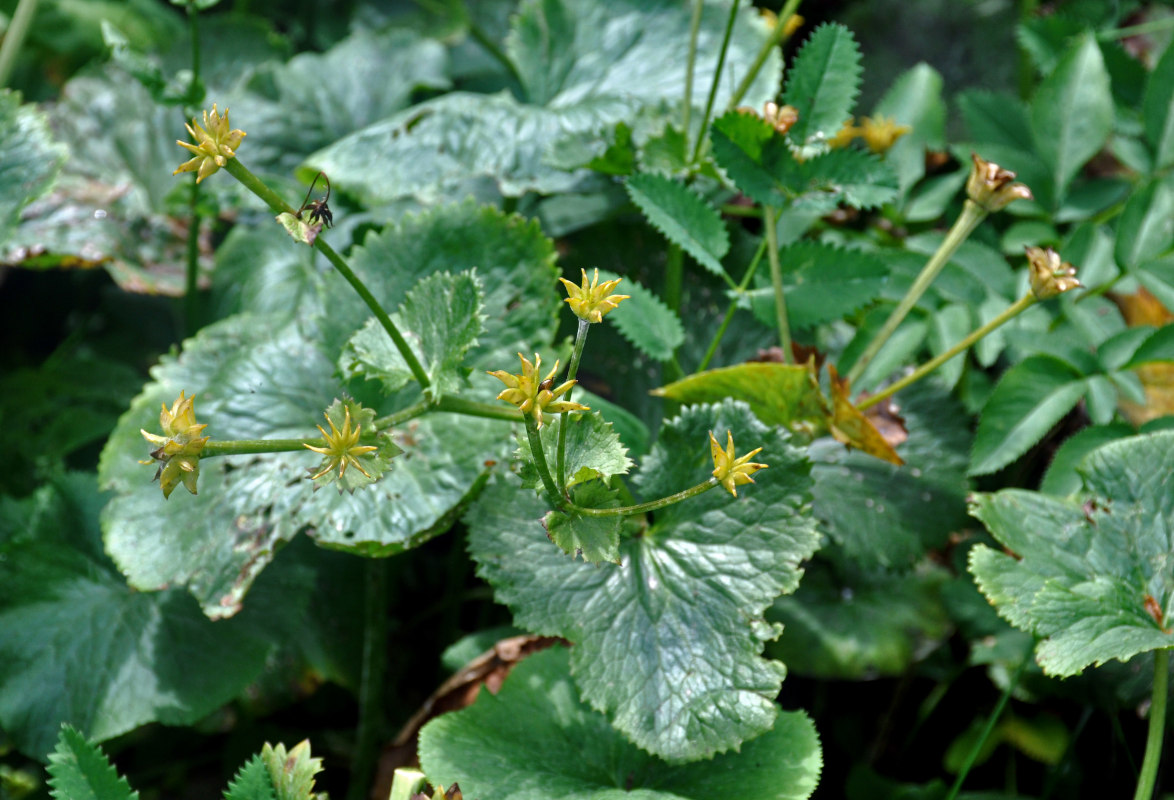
<point>592,301</point>
<point>215,143</point>
<point>729,470</point>
<point>993,187</point>
<point>533,395</point>
<point>342,448</point>
<point>178,450</point>
<point>1050,275</point>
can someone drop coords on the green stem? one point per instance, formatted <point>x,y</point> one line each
<point>673,272</point>
<point>240,447</point>
<point>572,370</point>
<point>472,408</point>
<point>972,756</point>
<point>643,508</point>
<point>735,210</point>
<point>776,281</point>
<point>373,674</point>
<point>14,37</point>
<point>773,41</point>
<point>191,295</point>
<point>972,214</point>
<point>1153,26</point>
<point>721,331</point>
<point>690,65</point>
<point>403,415</point>
<point>257,187</point>
<point>717,75</point>
<point>1012,311</point>
<point>554,497</point>
<point>1157,727</point>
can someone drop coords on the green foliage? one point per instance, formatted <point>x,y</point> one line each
<point>683,217</point>
<point>822,84</point>
<point>667,641</point>
<point>252,782</point>
<point>535,739</point>
<point>1091,577</point>
<point>645,321</point>
<point>31,158</point>
<point>592,450</point>
<point>596,539</point>
<point>79,770</point>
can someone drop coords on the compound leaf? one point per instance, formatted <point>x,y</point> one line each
<point>645,321</point>
<point>684,218</point>
<point>823,83</point>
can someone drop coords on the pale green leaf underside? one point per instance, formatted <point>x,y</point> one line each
<point>79,770</point>
<point>823,83</point>
<point>683,217</point>
<point>1085,568</point>
<point>668,642</point>
<point>535,740</point>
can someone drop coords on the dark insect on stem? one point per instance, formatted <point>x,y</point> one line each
<point>318,210</point>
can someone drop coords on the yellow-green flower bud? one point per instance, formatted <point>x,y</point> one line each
<point>992,187</point>
<point>591,302</point>
<point>1050,275</point>
<point>215,143</point>
<point>536,396</point>
<point>732,472</point>
<point>179,448</point>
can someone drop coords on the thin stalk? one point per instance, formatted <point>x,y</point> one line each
<point>673,272</point>
<point>1153,26</point>
<point>721,331</point>
<point>776,280</point>
<point>374,669</point>
<point>735,210</point>
<point>14,37</point>
<point>553,495</point>
<point>403,415</point>
<point>1024,68</point>
<point>1012,311</point>
<point>643,508</point>
<point>690,65</point>
<point>990,724</point>
<point>717,76</point>
<point>257,187</point>
<point>776,37</point>
<point>972,214</point>
<point>472,408</point>
<point>191,294</point>
<point>1157,727</point>
<point>560,467</point>
<point>241,447</point>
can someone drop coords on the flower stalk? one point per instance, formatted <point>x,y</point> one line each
<point>740,289</point>
<point>572,369</point>
<point>1157,727</point>
<point>553,495</point>
<point>769,218</point>
<point>644,508</point>
<point>781,31</point>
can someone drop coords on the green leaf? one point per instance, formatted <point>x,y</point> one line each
<point>997,119</point>
<point>1029,399</point>
<point>778,394</point>
<point>30,159</point>
<point>596,539</point>
<point>645,321</point>
<point>1072,113</point>
<point>64,608</point>
<point>669,641</point>
<point>1156,348</point>
<point>593,450</point>
<point>914,99</point>
<point>291,772</point>
<point>1146,227</point>
<point>79,770</point>
<point>257,270</point>
<point>585,65</point>
<point>534,740</point>
<point>1158,111</point>
<point>869,625</point>
<point>683,217</point>
<point>1062,478</point>
<point>441,318</point>
<point>251,782</point>
<point>1087,573</point>
<point>853,177</point>
<point>821,283</point>
<point>823,83</point>
<point>752,154</point>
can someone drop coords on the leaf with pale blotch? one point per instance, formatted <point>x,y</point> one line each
<point>683,217</point>
<point>592,450</point>
<point>669,641</point>
<point>535,740</point>
<point>31,159</point>
<point>1090,574</point>
<point>79,770</point>
<point>596,539</point>
<point>778,394</point>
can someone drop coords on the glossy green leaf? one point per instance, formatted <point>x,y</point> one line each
<point>1158,111</point>
<point>1029,399</point>
<point>914,99</point>
<point>823,83</point>
<point>1091,576</point>
<point>64,608</point>
<point>821,283</point>
<point>596,539</point>
<point>644,320</point>
<point>441,318</point>
<point>1072,113</point>
<point>30,159</point>
<point>778,394</point>
<point>585,65</point>
<point>251,782</point>
<point>1146,227</point>
<point>79,770</point>
<point>535,740</point>
<point>683,217</point>
<point>592,449</point>
<point>669,641</point>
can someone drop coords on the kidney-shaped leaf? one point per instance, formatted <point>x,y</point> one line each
<point>1091,578</point>
<point>669,641</point>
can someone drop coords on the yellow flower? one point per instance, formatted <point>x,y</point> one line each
<point>532,395</point>
<point>215,144</point>
<point>794,22</point>
<point>844,137</point>
<point>1049,275</point>
<point>342,448</point>
<point>591,302</point>
<point>732,472</point>
<point>180,446</point>
<point>991,186</point>
<point>879,134</point>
